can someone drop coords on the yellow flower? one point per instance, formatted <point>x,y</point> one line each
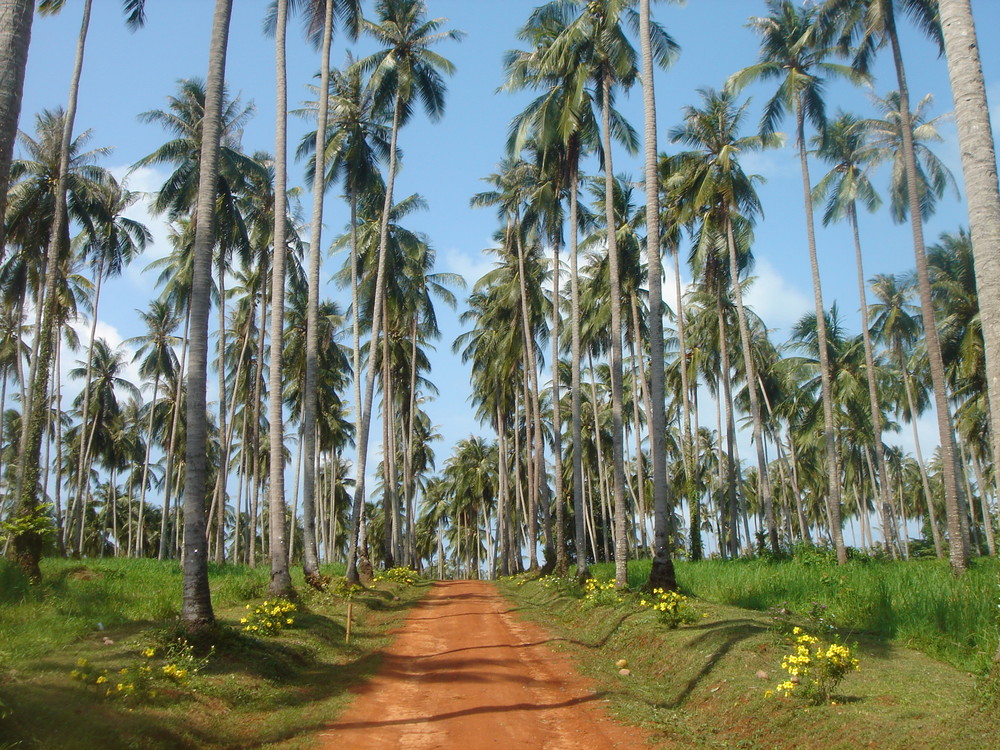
<point>149,653</point>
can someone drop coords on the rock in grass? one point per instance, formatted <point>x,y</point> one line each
<point>621,663</point>
<point>624,672</point>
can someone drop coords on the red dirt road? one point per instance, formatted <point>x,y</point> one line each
<point>464,673</point>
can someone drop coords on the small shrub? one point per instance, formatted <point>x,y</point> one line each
<point>672,609</point>
<point>341,588</point>
<point>780,619</point>
<point>566,585</point>
<point>815,668</point>
<point>601,593</point>
<point>399,574</point>
<point>268,618</point>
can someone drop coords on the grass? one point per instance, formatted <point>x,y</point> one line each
<point>262,692</point>
<point>918,604</point>
<point>704,685</point>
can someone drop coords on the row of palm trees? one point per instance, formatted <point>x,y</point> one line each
<point>822,413</point>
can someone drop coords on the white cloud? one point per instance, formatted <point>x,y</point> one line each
<point>471,266</point>
<point>778,303</point>
<point>146,180</point>
<point>71,360</point>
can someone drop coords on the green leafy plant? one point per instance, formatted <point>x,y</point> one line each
<point>269,617</point>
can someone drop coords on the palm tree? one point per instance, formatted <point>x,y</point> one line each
<point>844,144</point>
<point>794,51</point>
<point>196,612</point>
<point>159,361</point>
<point>724,195</point>
<point>15,37</point>
<point>281,581</point>
<point>895,324</point>
<point>982,190</point>
<point>27,549</point>
<point>324,9</point>
<point>405,70</point>
<point>661,574</point>
<point>596,40</point>
<point>873,23</point>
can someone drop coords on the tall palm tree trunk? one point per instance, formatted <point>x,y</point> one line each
<point>27,546</point>
<point>365,426</point>
<point>883,474</point>
<point>576,402</point>
<point>145,463</point>
<point>561,564</point>
<point>752,380</point>
<point>87,435</point>
<point>958,538</point>
<point>197,612</point>
<point>982,191</point>
<point>661,573</point>
<point>281,581</point>
<point>617,418</point>
<point>732,516</point>
<point>833,468</point>
<point>535,467</point>
<point>310,560</point>
<point>172,446</point>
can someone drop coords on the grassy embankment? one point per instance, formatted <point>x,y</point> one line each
<point>254,692</point>
<point>707,684</point>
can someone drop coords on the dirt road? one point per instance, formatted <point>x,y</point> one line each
<point>464,673</point>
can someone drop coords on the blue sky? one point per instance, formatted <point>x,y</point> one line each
<point>125,74</point>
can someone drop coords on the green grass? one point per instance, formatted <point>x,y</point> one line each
<point>918,604</point>
<point>269,692</point>
<point>705,685</point>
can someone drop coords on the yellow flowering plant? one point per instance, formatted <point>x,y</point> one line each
<point>398,574</point>
<point>173,664</point>
<point>269,617</point>
<point>672,609</point>
<point>601,593</point>
<point>816,667</point>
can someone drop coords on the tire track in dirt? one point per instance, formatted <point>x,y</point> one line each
<point>464,673</point>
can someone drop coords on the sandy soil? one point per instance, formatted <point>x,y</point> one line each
<point>465,673</point>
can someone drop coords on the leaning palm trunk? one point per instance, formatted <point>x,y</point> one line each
<point>87,435</point>
<point>366,406</point>
<point>15,37</point>
<point>981,188</point>
<point>197,612</point>
<point>752,380</point>
<point>617,420</point>
<point>832,465</point>
<point>957,532</point>
<point>661,574</point>
<point>310,560</point>
<point>27,546</point>
<point>140,551</point>
<point>531,405</point>
<point>281,582</point>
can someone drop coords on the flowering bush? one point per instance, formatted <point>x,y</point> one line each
<point>816,667</point>
<point>268,617</point>
<point>600,593</point>
<point>562,584</point>
<point>671,608</point>
<point>398,574</point>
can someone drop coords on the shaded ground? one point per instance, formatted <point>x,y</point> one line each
<point>465,673</point>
